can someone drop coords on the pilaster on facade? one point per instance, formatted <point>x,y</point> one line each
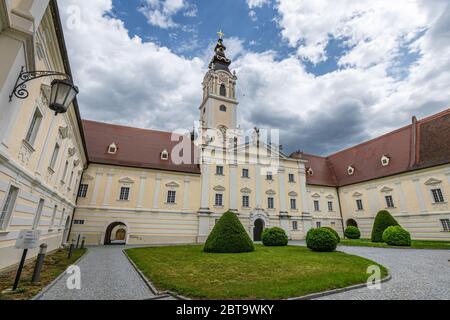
<point>158,180</point>
<point>303,191</point>
<point>186,193</point>
<point>282,190</point>
<point>423,207</point>
<point>98,176</point>
<point>233,187</point>
<point>142,183</point>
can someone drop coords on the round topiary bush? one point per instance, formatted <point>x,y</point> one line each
<point>352,233</point>
<point>228,236</point>
<point>383,220</point>
<point>397,236</point>
<point>334,232</point>
<point>274,237</point>
<point>321,240</point>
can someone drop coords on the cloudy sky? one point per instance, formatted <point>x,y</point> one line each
<point>328,74</point>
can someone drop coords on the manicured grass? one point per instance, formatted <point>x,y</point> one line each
<point>54,265</point>
<point>267,273</point>
<point>415,244</point>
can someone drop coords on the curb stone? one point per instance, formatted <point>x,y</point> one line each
<point>61,275</point>
<point>340,290</point>
<point>158,294</point>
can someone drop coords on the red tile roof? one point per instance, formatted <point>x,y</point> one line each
<point>139,148</point>
<point>422,144</point>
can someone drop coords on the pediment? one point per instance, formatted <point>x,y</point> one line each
<point>357,194</point>
<point>316,195</point>
<point>293,194</point>
<point>87,177</point>
<point>219,188</point>
<point>330,196</point>
<point>271,192</point>
<point>246,190</point>
<point>432,181</point>
<point>126,180</point>
<point>386,189</point>
<point>172,184</point>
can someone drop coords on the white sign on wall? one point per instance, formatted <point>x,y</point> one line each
<point>28,239</point>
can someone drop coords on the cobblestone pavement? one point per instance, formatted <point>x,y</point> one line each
<point>416,274</point>
<point>106,274</point>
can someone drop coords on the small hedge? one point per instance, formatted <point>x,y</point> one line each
<point>321,240</point>
<point>228,236</point>
<point>397,236</point>
<point>274,237</point>
<point>334,232</point>
<point>352,233</point>
<point>383,220</point>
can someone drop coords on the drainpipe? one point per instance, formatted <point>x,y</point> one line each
<point>74,209</point>
<point>340,211</point>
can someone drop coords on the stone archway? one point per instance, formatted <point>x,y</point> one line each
<point>116,233</point>
<point>258,229</point>
<point>352,223</point>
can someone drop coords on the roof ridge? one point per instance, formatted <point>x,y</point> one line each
<point>126,127</point>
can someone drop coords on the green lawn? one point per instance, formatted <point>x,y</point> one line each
<point>54,265</point>
<point>415,244</point>
<point>267,273</point>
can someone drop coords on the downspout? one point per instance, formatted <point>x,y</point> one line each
<point>74,209</point>
<point>340,212</point>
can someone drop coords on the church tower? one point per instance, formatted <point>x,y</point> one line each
<point>219,106</point>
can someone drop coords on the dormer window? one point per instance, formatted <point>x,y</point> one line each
<point>164,155</point>
<point>385,160</point>
<point>310,171</point>
<point>112,149</point>
<point>350,170</point>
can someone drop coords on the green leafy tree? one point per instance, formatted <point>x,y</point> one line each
<point>383,220</point>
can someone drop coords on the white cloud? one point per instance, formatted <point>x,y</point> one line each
<point>257,3</point>
<point>143,84</point>
<point>125,80</point>
<point>159,12</point>
<point>252,15</point>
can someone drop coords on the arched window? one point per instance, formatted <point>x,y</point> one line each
<point>223,108</point>
<point>223,90</point>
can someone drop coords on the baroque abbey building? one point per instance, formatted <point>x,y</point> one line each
<point>69,178</point>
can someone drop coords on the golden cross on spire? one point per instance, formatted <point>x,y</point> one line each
<point>220,34</point>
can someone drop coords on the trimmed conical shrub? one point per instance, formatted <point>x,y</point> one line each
<point>229,236</point>
<point>382,221</point>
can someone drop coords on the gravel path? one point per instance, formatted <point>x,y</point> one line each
<point>106,274</point>
<point>416,275</point>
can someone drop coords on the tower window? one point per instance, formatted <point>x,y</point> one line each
<point>223,108</point>
<point>223,90</point>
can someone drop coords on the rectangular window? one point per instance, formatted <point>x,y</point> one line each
<point>171,196</point>
<point>34,127</point>
<point>270,203</point>
<point>70,180</point>
<point>124,193</point>
<point>54,156</point>
<point>219,200</point>
<point>438,196</point>
<point>359,205</point>
<point>245,201</point>
<point>446,224</point>
<point>66,167</point>
<point>389,202</point>
<point>294,225</point>
<point>52,222</point>
<point>318,224</point>
<point>82,192</point>
<point>37,218</point>
<point>61,219</point>
<point>8,206</point>
<point>316,205</point>
<point>79,222</point>
<point>269,176</point>
<point>219,170</point>
<point>330,206</point>
<point>245,173</point>
<point>293,204</point>
<point>291,177</point>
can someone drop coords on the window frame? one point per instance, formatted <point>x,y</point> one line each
<point>293,203</point>
<point>8,206</point>
<point>122,193</point>
<point>445,224</point>
<point>437,195</point>
<point>52,221</point>
<point>82,190</point>
<point>270,203</point>
<point>389,201</point>
<point>295,225</point>
<point>269,176</point>
<point>245,173</point>
<point>219,170</point>
<point>245,201</point>
<point>330,206</point>
<point>359,205</point>
<point>223,108</point>
<point>171,197</point>
<point>291,178</point>
<point>218,200</point>
<point>37,217</point>
<point>316,205</point>
<point>34,126</point>
<point>55,156</point>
